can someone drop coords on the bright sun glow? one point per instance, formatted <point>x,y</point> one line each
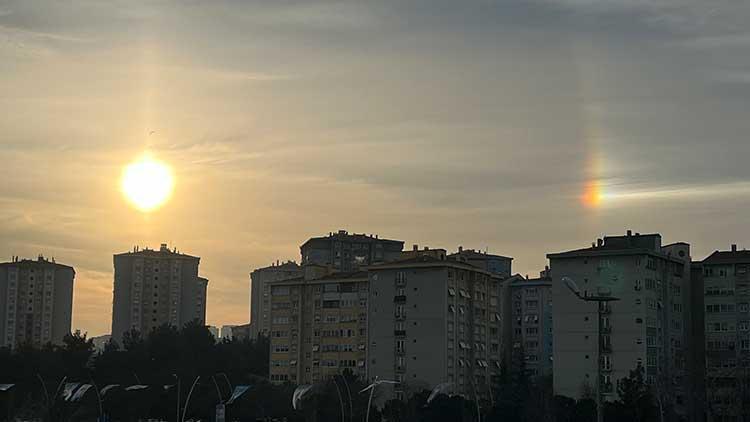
<point>147,183</point>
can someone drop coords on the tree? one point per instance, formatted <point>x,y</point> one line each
<point>636,401</point>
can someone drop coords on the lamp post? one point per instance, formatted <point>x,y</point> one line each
<point>187,400</point>
<point>177,418</point>
<point>99,399</point>
<point>349,394</point>
<point>371,387</point>
<point>601,301</point>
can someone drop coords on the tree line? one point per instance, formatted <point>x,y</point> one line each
<point>138,380</point>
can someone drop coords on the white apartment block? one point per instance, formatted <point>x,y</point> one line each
<point>433,320</point>
<point>646,327</point>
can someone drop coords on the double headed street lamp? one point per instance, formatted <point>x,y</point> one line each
<point>601,300</point>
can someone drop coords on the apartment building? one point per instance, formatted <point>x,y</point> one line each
<point>260,292</point>
<point>726,283</point>
<point>433,320</point>
<point>156,287</point>
<point>347,252</point>
<point>318,325</point>
<point>527,332</point>
<point>646,327</point>
<point>36,302</point>
<point>496,264</point>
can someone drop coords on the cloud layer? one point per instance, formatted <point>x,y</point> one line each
<point>440,123</point>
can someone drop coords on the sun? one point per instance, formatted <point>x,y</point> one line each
<point>147,183</point>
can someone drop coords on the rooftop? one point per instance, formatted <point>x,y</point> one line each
<point>41,260</point>
<point>474,254</point>
<point>352,237</point>
<point>732,256</point>
<point>629,244</point>
<point>163,252</point>
<point>427,261</point>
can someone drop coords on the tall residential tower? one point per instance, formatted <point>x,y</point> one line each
<point>156,287</point>
<point>646,327</point>
<point>36,302</point>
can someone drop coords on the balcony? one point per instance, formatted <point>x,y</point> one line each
<point>607,347</point>
<point>607,329</point>
<point>399,333</point>
<point>399,299</point>
<point>605,309</point>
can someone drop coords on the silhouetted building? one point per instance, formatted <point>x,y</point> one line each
<point>527,328</point>
<point>416,252</point>
<point>36,302</point>
<point>260,292</point>
<point>349,252</point>
<point>434,320</point>
<point>646,327</point>
<point>726,279</point>
<point>100,342</point>
<point>318,326</point>
<point>156,287</point>
<point>496,264</point>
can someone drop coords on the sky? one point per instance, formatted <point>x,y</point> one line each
<point>522,127</point>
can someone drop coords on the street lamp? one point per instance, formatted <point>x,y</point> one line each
<point>599,299</point>
<point>371,387</point>
<point>177,419</point>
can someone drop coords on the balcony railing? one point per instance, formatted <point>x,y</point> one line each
<point>607,329</point>
<point>399,299</point>
<point>399,333</point>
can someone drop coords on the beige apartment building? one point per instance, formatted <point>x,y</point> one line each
<point>318,325</point>
<point>648,326</point>
<point>36,302</point>
<point>156,287</point>
<point>260,293</point>
<point>434,319</point>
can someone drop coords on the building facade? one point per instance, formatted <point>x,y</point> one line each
<point>646,327</point>
<point>318,326</point>
<point>726,283</point>
<point>347,252</point>
<point>156,287</point>
<point>36,302</point>
<point>528,333</point>
<point>496,264</point>
<point>432,321</point>
<point>260,293</point>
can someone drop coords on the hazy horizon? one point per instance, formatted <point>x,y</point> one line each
<point>522,128</point>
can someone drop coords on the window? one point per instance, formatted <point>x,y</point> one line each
<point>400,278</point>
<point>638,285</point>
<point>400,346</point>
<point>743,307</point>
